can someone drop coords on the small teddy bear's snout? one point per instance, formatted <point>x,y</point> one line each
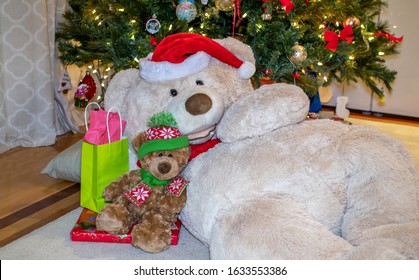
<point>164,167</point>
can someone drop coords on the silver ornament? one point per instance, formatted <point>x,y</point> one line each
<point>298,53</point>
<point>152,25</point>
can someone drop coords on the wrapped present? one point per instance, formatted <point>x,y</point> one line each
<point>85,230</point>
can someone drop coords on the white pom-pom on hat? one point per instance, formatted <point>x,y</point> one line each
<point>183,54</point>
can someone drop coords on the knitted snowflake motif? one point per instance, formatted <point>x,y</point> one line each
<point>162,133</point>
<point>138,195</point>
<point>162,126</point>
<point>177,185</point>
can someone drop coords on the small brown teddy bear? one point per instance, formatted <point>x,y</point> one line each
<point>149,199</point>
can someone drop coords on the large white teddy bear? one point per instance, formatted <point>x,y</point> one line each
<point>278,186</point>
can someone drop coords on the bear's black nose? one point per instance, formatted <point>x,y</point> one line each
<point>164,167</point>
<point>198,104</point>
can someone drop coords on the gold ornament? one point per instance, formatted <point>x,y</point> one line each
<point>224,5</point>
<point>351,21</point>
<point>298,53</point>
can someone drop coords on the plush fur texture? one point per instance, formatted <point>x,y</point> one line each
<point>151,221</point>
<point>280,186</point>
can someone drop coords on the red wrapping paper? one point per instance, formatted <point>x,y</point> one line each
<point>85,230</point>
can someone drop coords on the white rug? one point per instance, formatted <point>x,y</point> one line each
<point>52,242</point>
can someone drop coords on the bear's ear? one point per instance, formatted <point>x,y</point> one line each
<point>119,88</point>
<point>138,140</point>
<point>238,48</point>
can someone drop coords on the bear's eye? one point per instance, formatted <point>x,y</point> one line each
<point>170,155</point>
<point>173,92</point>
<point>160,155</point>
<point>199,82</point>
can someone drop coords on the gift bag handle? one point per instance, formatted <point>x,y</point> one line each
<point>107,120</point>
<point>85,112</point>
<point>120,123</point>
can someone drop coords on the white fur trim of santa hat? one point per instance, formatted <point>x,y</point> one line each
<point>183,54</point>
<point>165,71</point>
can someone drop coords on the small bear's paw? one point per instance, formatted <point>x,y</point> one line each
<point>114,219</point>
<point>152,237</point>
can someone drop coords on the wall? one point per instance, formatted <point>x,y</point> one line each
<point>404,99</point>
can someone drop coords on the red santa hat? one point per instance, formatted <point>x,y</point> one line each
<point>183,54</point>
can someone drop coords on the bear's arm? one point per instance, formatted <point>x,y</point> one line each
<point>121,185</point>
<point>171,204</point>
<point>264,110</point>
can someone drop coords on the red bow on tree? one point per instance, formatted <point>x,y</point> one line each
<point>333,38</point>
<point>388,36</point>
<point>287,4</point>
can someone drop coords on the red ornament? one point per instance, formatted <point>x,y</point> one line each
<point>153,41</point>
<point>296,75</point>
<point>85,91</point>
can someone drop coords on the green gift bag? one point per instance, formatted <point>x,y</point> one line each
<point>100,165</point>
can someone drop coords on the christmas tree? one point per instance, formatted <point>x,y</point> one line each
<point>307,42</point>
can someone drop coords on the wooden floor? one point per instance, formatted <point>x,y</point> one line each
<point>29,199</point>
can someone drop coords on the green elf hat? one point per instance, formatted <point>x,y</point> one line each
<point>163,135</point>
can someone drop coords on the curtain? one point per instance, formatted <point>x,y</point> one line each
<point>32,111</point>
